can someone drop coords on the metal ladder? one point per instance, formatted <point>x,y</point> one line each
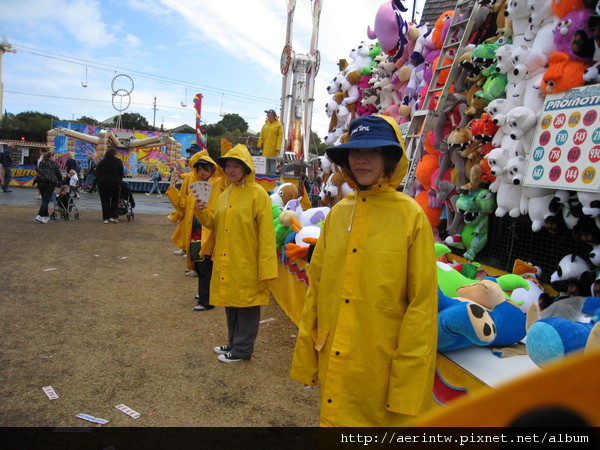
<point>423,121</point>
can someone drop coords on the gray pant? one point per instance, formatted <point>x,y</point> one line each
<point>8,176</point>
<point>242,326</point>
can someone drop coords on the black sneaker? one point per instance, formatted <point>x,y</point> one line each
<point>229,358</point>
<point>222,350</point>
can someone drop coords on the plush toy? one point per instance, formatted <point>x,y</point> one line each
<point>541,26</point>
<point>553,338</point>
<point>518,12</point>
<point>521,121</point>
<point>458,140</point>
<point>565,210</point>
<point>390,28</point>
<point>563,74</point>
<point>351,94</point>
<point>530,295</point>
<point>476,206</point>
<point>588,46</point>
<point>334,190</point>
<point>561,7</point>
<point>487,318</point>
<point>448,195</point>
<point>535,201</point>
<point>362,58</point>
<point>283,193</point>
<point>437,34</point>
<point>572,277</point>
<point>305,238</point>
<point>529,68</point>
<point>572,24</point>
<point>498,109</point>
<point>433,213</point>
<point>281,230</point>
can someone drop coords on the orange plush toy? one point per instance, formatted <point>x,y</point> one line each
<point>563,74</point>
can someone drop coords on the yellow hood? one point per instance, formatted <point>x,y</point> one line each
<point>241,153</point>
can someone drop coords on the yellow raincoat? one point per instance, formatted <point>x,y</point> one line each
<point>270,138</point>
<point>184,203</point>
<point>244,257</point>
<point>368,331</point>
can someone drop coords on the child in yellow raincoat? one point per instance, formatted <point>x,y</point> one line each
<point>245,257</point>
<point>369,326</point>
<point>184,203</point>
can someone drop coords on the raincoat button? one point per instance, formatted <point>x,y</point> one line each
<point>329,400</point>
<point>364,199</point>
<point>347,301</point>
<point>337,353</point>
<point>354,250</point>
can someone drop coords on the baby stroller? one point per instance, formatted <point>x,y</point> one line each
<point>126,202</point>
<point>64,205</point>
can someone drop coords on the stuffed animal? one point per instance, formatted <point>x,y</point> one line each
<point>535,201</point>
<point>458,140</point>
<point>476,206</point>
<point>448,195</point>
<point>390,28</point>
<point>487,319</point>
<point>498,109</point>
<point>362,58</point>
<point>561,8</point>
<point>334,190</point>
<point>283,193</point>
<point>529,68</point>
<point>572,24</point>
<point>563,74</point>
<point>540,33</point>
<point>553,338</point>
<point>281,230</point>
<point>530,295</point>
<point>588,46</point>
<point>351,92</point>
<point>522,121</point>
<point>518,12</point>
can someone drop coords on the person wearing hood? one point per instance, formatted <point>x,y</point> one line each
<point>368,332</point>
<point>184,203</point>
<point>271,135</point>
<point>244,256</point>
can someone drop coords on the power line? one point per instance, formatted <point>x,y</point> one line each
<point>155,78</point>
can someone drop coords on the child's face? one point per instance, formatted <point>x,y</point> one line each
<point>204,172</point>
<point>234,170</point>
<point>367,165</point>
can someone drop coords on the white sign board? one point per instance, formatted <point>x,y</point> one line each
<point>260,164</point>
<point>565,153</point>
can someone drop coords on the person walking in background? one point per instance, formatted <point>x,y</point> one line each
<point>110,173</point>
<point>244,255</point>
<point>368,332</point>
<point>37,166</point>
<point>156,178</point>
<point>271,135</point>
<point>8,163</point>
<point>48,177</point>
<point>91,174</point>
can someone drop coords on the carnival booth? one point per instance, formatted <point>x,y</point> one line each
<point>499,103</point>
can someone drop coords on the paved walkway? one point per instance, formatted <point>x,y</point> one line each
<point>24,196</point>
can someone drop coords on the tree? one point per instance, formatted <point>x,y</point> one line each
<point>233,122</point>
<point>316,146</point>
<point>135,121</point>
<point>85,120</point>
<point>30,125</point>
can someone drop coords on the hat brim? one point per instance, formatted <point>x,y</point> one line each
<point>222,160</point>
<point>339,153</point>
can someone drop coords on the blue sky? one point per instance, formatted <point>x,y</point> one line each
<point>172,49</point>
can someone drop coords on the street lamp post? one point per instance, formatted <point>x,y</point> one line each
<point>5,47</point>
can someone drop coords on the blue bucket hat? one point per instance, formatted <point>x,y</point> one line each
<point>365,132</point>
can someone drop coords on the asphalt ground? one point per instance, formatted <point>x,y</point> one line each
<point>144,204</point>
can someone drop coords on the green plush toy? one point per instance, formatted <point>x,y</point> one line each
<point>281,231</point>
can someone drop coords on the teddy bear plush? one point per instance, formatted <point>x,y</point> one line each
<point>362,58</point>
<point>563,74</point>
<point>498,109</point>
<point>283,193</point>
<point>540,33</point>
<point>529,68</point>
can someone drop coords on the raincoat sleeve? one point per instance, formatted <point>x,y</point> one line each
<point>413,365</point>
<point>261,137</point>
<point>306,362</point>
<point>205,217</point>
<point>267,253</point>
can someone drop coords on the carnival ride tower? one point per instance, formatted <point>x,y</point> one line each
<point>297,94</point>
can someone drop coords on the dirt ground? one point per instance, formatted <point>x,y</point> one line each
<point>102,313</point>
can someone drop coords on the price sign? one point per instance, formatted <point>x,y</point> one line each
<point>565,153</point>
